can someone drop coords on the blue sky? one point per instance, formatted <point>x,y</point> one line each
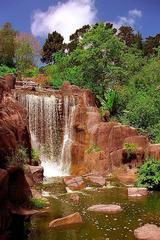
<point>144,15</point>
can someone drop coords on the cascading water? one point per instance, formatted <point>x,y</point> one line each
<point>50,123</point>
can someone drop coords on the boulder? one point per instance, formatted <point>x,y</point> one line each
<point>95,180</point>
<point>70,220</point>
<point>137,192</point>
<point>110,208</point>
<point>154,151</point>
<point>19,192</point>
<point>118,134</point>
<point>37,173</point>
<point>139,141</point>
<point>10,80</point>
<point>4,213</point>
<point>97,162</point>
<point>147,232</point>
<point>74,183</point>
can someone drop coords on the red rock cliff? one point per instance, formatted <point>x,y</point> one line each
<point>13,123</point>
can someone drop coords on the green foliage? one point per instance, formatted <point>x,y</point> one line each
<point>139,100</point>
<point>53,44</point>
<point>38,203</point>
<point>23,57</point>
<point>108,102</point>
<point>19,157</point>
<point>149,175</point>
<point>7,45</point>
<point>5,70</point>
<point>130,148</point>
<point>32,72</point>
<point>93,148</point>
<point>35,155</point>
<point>98,62</point>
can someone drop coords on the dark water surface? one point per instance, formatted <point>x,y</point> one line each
<point>97,226</point>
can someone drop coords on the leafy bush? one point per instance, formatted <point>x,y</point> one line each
<point>149,175</point>
<point>108,102</point>
<point>130,148</point>
<point>32,72</point>
<point>4,70</point>
<point>93,148</point>
<point>38,203</point>
<point>141,111</point>
<point>35,155</point>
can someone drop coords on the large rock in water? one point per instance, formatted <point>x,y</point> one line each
<point>147,232</point>
<point>70,220</point>
<point>110,208</point>
<point>74,183</point>
<point>13,124</point>
<point>137,192</point>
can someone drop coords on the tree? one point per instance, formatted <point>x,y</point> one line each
<point>128,35</point>
<point>7,44</point>
<point>27,52</point>
<point>76,37</point>
<point>98,62</point>
<point>151,44</point>
<point>53,44</point>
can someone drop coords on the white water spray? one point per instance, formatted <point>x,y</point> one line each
<point>51,123</point>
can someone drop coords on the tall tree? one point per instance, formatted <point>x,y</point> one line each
<point>130,37</point>
<point>53,44</point>
<point>99,62</point>
<point>126,33</point>
<point>27,52</point>
<point>76,37</point>
<point>151,44</point>
<point>7,44</point>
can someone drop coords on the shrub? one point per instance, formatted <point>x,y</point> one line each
<point>38,203</point>
<point>130,149</point>
<point>35,155</point>
<point>93,148</point>
<point>149,175</point>
<point>108,102</point>
<point>32,72</point>
<point>4,70</point>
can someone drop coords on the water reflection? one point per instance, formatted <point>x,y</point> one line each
<point>97,226</point>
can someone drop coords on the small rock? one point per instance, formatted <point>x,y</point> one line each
<point>69,220</point>
<point>110,208</point>
<point>74,198</point>
<point>137,192</point>
<point>74,183</point>
<point>147,232</point>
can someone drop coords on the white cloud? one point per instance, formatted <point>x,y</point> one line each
<point>128,20</point>
<point>64,17</point>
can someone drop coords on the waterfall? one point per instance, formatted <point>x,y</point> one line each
<point>50,123</point>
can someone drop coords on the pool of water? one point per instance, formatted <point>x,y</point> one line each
<point>97,226</point>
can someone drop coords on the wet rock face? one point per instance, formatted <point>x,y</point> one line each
<point>14,194</point>
<point>13,124</point>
